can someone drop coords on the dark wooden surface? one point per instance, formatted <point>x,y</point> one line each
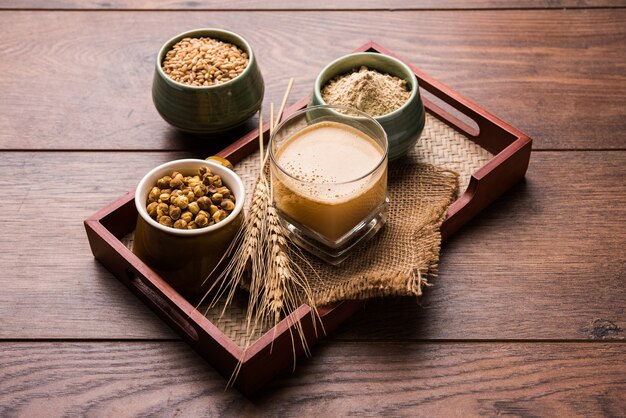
<point>527,317</point>
<point>304,5</point>
<point>343,378</point>
<point>291,5</point>
<point>73,79</point>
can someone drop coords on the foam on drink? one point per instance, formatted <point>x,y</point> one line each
<point>334,177</point>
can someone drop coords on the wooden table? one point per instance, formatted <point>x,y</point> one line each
<point>527,316</point>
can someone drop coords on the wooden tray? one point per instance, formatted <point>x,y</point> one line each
<point>508,153</point>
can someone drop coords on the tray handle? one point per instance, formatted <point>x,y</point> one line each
<point>492,134</point>
<point>160,304</point>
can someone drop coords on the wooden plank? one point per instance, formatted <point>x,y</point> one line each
<point>558,75</point>
<point>341,379</point>
<point>317,5</point>
<point>546,257</point>
<point>545,262</point>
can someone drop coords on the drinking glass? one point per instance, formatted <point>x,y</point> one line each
<point>330,218</point>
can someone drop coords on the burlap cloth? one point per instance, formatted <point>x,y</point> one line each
<point>397,261</point>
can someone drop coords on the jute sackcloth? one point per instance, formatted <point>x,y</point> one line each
<point>397,261</point>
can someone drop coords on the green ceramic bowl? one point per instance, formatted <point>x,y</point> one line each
<point>404,125</point>
<point>210,109</point>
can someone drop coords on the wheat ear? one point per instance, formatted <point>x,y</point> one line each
<point>244,248</point>
<point>277,285</point>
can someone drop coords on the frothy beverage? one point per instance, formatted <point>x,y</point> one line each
<point>333,176</point>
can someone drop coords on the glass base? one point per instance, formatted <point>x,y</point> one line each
<point>335,252</point>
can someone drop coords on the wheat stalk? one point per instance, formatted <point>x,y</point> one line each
<point>286,286</point>
<point>243,249</point>
<point>277,285</point>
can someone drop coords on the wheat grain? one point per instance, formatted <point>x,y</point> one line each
<point>204,61</point>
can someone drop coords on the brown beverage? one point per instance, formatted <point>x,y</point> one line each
<point>333,176</point>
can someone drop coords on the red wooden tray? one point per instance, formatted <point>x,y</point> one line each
<point>105,229</point>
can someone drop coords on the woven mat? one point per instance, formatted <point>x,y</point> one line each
<point>439,145</point>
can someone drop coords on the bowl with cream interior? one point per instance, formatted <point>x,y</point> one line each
<point>381,86</point>
<point>185,257</point>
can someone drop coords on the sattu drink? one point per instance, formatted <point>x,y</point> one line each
<point>328,177</point>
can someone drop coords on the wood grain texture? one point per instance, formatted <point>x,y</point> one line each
<point>527,316</point>
<point>341,379</point>
<point>546,256</point>
<point>545,262</point>
<point>82,80</point>
<point>303,5</point>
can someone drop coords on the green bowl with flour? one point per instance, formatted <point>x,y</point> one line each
<point>403,125</point>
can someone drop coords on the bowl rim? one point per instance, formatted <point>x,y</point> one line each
<point>232,178</point>
<point>317,91</point>
<point>195,33</point>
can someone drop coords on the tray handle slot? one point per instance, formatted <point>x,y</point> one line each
<point>463,123</point>
<point>480,126</point>
<point>164,309</point>
<point>485,129</point>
